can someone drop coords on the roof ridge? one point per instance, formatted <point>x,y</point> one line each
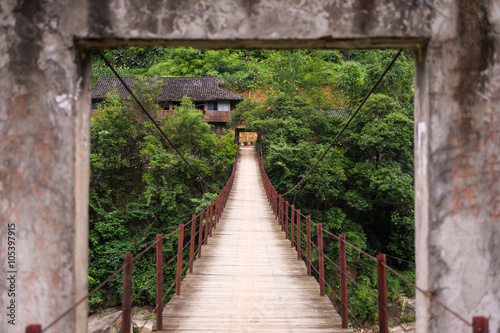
<point>172,89</point>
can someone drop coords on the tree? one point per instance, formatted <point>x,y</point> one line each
<point>140,186</point>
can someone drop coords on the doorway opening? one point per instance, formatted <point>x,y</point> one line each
<point>294,101</point>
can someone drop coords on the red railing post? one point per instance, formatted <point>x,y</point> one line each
<point>292,223</point>
<point>200,236</point>
<point>179,260</point>
<point>34,328</point>
<point>274,203</point>
<point>226,195</point>
<point>343,281</point>
<point>159,282</point>
<point>308,232</point>
<point>275,198</point>
<point>207,224</point>
<point>269,191</point>
<point>220,206</point>
<point>221,201</point>
<point>282,213</point>
<point>480,325</point>
<point>298,234</point>
<point>191,246</point>
<point>211,216</point>
<point>282,223</point>
<point>286,219</point>
<point>280,208</point>
<point>272,197</point>
<point>382,294</point>
<point>217,208</point>
<point>127,294</point>
<point>321,262</point>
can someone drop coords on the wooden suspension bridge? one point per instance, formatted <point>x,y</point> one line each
<point>248,278</point>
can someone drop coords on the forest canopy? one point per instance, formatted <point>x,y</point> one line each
<point>297,101</point>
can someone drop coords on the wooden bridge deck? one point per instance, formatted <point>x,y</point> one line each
<point>248,278</point>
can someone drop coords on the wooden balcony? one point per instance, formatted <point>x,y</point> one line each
<point>218,116</point>
<point>163,113</point>
<point>212,116</point>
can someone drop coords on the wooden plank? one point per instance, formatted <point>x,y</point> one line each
<point>249,278</point>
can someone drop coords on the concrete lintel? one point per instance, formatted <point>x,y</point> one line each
<point>322,43</point>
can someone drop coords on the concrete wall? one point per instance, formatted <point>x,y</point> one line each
<point>44,128</point>
<point>44,158</point>
<point>457,171</point>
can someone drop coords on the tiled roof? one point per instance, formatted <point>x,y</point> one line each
<point>173,88</point>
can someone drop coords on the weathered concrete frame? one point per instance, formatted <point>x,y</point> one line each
<point>44,129</point>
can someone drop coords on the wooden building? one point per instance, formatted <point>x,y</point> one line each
<point>206,93</point>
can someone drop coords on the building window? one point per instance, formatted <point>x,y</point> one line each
<point>212,106</point>
<point>163,105</point>
<point>95,105</point>
<point>199,106</point>
<point>223,106</point>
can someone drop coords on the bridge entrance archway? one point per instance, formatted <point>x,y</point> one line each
<point>44,124</point>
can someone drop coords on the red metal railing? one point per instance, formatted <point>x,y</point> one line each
<point>285,217</point>
<point>204,231</point>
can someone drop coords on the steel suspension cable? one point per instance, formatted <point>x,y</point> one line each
<point>156,307</point>
<point>347,123</point>
<point>417,288</point>
<point>153,121</point>
<point>332,290</point>
<point>83,299</point>
<point>427,294</point>
<point>331,261</point>
<point>154,276</point>
<point>371,250</point>
<point>163,298</point>
<point>152,279</point>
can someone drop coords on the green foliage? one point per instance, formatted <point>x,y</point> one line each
<point>292,72</point>
<point>130,61</point>
<point>192,134</point>
<point>363,188</point>
<point>241,112</point>
<point>230,65</point>
<point>237,69</point>
<point>351,80</point>
<point>140,186</point>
